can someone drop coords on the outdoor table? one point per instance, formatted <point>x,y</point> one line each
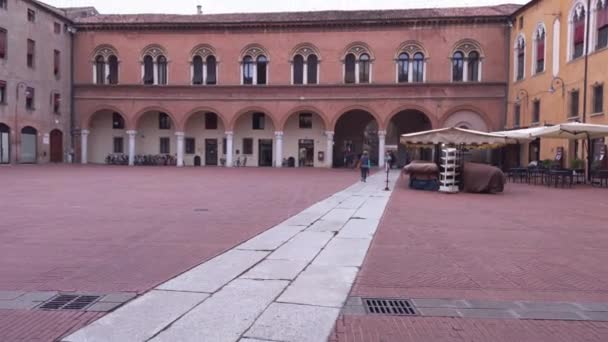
<point>599,178</point>
<point>520,173</point>
<point>536,175</point>
<point>556,177</point>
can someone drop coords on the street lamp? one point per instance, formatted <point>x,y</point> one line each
<point>557,81</point>
<point>16,128</point>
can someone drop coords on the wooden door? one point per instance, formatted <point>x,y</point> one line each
<point>56,146</point>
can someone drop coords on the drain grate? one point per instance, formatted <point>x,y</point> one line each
<point>394,307</point>
<point>69,302</point>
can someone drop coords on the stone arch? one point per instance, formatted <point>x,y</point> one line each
<point>465,112</point>
<point>204,109</point>
<point>406,107</point>
<point>203,50</point>
<point>355,135</point>
<point>358,48</point>
<point>467,46</point>
<point>154,50</point>
<point>104,50</point>
<point>301,109</point>
<point>411,47</point>
<point>305,49</point>
<point>141,113</point>
<point>345,110</point>
<point>254,50</point>
<point>86,120</point>
<point>252,109</point>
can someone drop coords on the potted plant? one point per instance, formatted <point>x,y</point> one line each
<point>547,163</point>
<point>577,164</point>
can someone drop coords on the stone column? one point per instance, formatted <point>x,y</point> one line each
<point>155,72</point>
<point>180,148</point>
<point>279,149</point>
<point>381,147</point>
<point>305,73</point>
<point>132,135</point>
<point>84,143</point>
<point>329,150</point>
<point>229,149</point>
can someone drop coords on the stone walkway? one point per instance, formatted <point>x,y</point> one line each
<point>286,284</point>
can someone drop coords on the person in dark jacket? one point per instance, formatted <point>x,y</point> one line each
<point>365,166</point>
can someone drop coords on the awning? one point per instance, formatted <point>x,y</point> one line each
<point>454,136</point>
<point>572,131</point>
<point>521,135</point>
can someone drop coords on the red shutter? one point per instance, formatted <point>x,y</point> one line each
<point>2,44</point>
<point>602,17</point>
<point>540,51</point>
<point>579,32</point>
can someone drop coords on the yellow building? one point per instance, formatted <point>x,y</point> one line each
<point>558,71</point>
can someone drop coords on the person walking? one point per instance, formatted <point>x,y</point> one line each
<point>365,166</point>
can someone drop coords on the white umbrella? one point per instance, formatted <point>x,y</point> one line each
<point>521,135</point>
<point>457,137</point>
<point>572,131</point>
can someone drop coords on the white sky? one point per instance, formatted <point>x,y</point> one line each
<point>235,6</point>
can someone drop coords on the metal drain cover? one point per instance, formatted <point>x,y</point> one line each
<point>393,307</point>
<point>69,302</point>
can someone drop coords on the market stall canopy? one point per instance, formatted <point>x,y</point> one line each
<point>521,135</point>
<point>454,136</point>
<point>572,130</point>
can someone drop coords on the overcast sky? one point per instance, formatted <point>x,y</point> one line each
<point>232,6</point>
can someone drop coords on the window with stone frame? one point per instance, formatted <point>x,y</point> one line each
<point>210,121</point>
<point>579,16</point>
<point>598,98</point>
<point>403,67</point>
<point>474,65</point>
<point>358,63</point>
<point>56,63</point>
<point>31,15</point>
<point>248,146</point>
<point>601,23</point>
<point>306,120</point>
<point>197,70</point>
<point>190,145</point>
<point>31,50</point>
<point>418,67</point>
<point>248,70</point>
<point>204,65</point>
<point>3,43</point>
<point>165,145</point>
<point>516,115</point>
<point>162,70</point>
<point>56,103</point>
<point>520,52</point>
<point>298,69</point>
<point>349,68</point>
<point>304,64</point>
<point>364,68</point>
<point>262,69</point>
<point>57,28</point>
<point>30,98</point>
<point>118,122</point>
<point>119,145</point>
<point>113,63</point>
<point>574,103</point>
<point>312,69</point>
<point>211,68</point>
<point>148,70</point>
<point>536,111</point>
<point>540,41</point>
<point>2,92</point>
<point>458,67</point>
<point>164,121</point>
<point>258,121</point>
<point>254,65</point>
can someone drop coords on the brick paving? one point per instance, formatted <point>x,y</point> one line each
<point>530,243</point>
<point>115,229</point>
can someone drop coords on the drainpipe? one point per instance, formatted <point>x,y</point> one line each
<point>503,124</point>
<point>585,84</point>
<point>72,113</point>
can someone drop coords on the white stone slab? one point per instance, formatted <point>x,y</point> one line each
<point>343,252</point>
<point>353,202</point>
<point>294,323</point>
<point>252,340</point>
<point>333,221</point>
<point>226,315</point>
<point>272,238</point>
<point>373,208</point>
<point>321,285</point>
<point>303,247</point>
<point>359,229</point>
<point>303,219</point>
<point>276,269</point>
<point>215,273</point>
<point>140,319</point>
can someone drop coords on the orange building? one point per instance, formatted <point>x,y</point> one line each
<point>558,71</point>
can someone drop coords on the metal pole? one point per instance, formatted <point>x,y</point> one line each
<point>387,167</point>
<point>588,24</point>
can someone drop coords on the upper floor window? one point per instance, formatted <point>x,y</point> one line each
<point>254,65</point>
<point>598,98</point>
<point>516,115</point>
<point>204,66</point>
<point>601,24</point>
<point>105,66</point>
<point>155,66</point>
<point>466,62</point>
<point>56,103</point>
<point>3,40</point>
<point>57,28</point>
<point>164,121</point>
<point>458,67</point>
<point>358,64</point>
<point>305,65</point>
<point>117,121</point>
<point>536,111</point>
<point>210,121</point>
<point>473,67</point>
<point>30,98</point>
<point>56,63</point>
<point>574,103</point>
<point>520,57</point>
<point>410,63</point>
<point>539,49</point>
<point>258,121</point>
<point>2,92</point>
<point>306,120</point>
<point>31,49</point>
<point>31,15</point>
<point>577,30</point>
<point>3,4</point>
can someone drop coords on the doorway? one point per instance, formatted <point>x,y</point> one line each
<point>29,137</point>
<point>265,152</point>
<point>5,157</point>
<point>197,161</point>
<point>211,152</point>
<point>306,153</point>
<point>56,146</point>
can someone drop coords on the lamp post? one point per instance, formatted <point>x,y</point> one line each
<point>20,85</point>
<point>557,81</point>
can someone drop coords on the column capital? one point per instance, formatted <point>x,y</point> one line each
<point>382,133</point>
<point>278,134</point>
<point>229,133</point>
<point>330,134</point>
<point>131,132</point>
<point>180,134</point>
<point>84,132</point>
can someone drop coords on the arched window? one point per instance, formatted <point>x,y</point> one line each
<point>113,62</point>
<point>162,69</point>
<point>418,67</point>
<point>197,70</point>
<point>473,66</point>
<point>403,63</point>
<point>520,58</point>
<point>578,18</point>
<point>601,24</point>
<point>312,64</point>
<point>148,70</point>
<point>100,70</point>
<point>262,64</point>
<point>458,67</point>
<point>211,70</point>
<point>247,70</point>
<point>539,42</point>
<point>349,68</point>
<point>298,69</point>
<point>364,68</point>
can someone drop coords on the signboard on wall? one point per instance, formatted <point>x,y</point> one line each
<point>45,139</point>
